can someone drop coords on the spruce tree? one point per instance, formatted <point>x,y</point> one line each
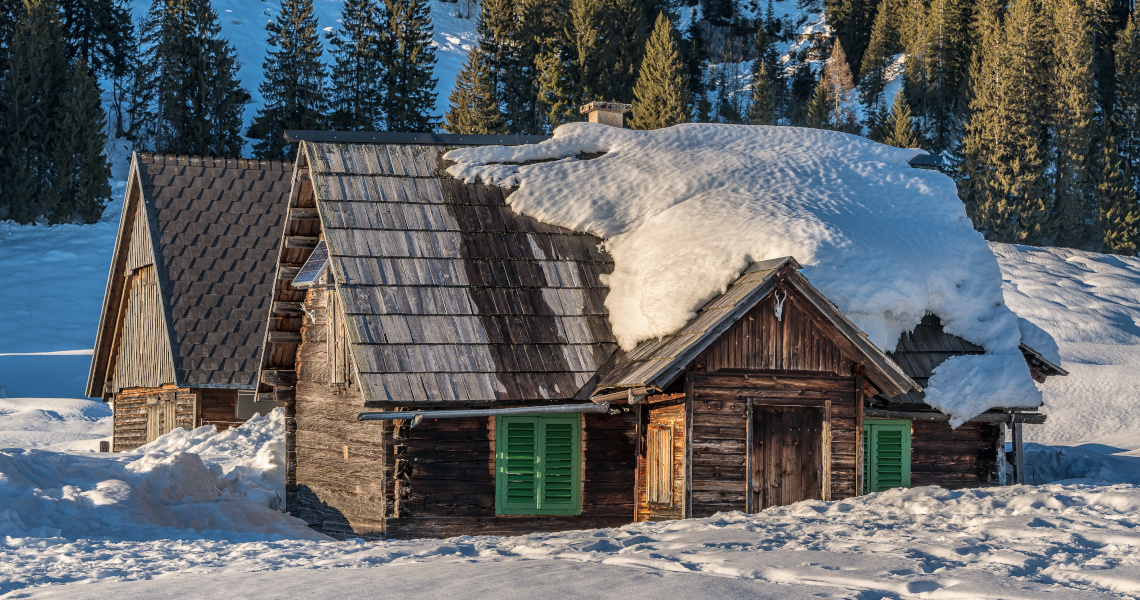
<point>558,96</point>
<point>99,33</point>
<point>81,169</point>
<point>30,95</point>
<point>1021,129</point>
<point>761,111</point>
<point>852,22</point>
<point>818,113</point>
<point>189,99</point>
<point>801,93</point>
<point>899,126</point>
<point>990,213</point>
<point>1126,115</point>
<point>726,100</point>
<point>945,65</point>
<point>840,90</point>
<point>695,59</point>
<point>1073,111</point>
<point>609,38</point>
<point>534,22</point>
<point>661,96</point>
<point>1119,209</point>
<point>355,90</point>
<point>881,47</point>
<point>293,84</point>
<point>409,87</point>
<point>474,99</point>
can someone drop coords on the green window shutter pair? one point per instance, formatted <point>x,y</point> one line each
<point>886,454</point>
<point>538,465</point>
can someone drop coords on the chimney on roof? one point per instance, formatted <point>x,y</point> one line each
<point>606,113</point>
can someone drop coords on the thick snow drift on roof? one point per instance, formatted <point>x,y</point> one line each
<point>685,209</point>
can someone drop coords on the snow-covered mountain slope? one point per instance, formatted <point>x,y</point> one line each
<point>53,423</point>
<point>1090,304</point>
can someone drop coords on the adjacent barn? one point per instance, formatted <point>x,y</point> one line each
<point>187,299</point>
<point>449,367</point>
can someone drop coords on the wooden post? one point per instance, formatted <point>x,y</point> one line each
<point>688,496</point>
<point>1018,454</point>
<point>749,460</point>
<point>859,371</point>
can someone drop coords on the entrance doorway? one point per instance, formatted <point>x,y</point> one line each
<point>787,457</point>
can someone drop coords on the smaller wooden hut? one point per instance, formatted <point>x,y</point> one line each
<point>179,339</point>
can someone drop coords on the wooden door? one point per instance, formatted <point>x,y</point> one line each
<point>787,454</point>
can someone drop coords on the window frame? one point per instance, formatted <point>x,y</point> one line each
<point>503,507</point>
<point>871,428</point>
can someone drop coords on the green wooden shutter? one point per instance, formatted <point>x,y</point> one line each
<point>538,465</point>
<point>886,454</point>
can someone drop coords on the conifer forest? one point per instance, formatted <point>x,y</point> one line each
<point>1032,106</point>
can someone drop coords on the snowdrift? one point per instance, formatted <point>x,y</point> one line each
<point>184,485</point>
<point>683,210</point>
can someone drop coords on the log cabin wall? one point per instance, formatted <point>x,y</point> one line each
<point>445,479</point>
<point>217,407</point>
<point>661,434</point>
<point>143,414</point>
<point>336,467</point>
<point>955,458</point>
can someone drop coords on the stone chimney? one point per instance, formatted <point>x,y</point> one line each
<point>606,113</point>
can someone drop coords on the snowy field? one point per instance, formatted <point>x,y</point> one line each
<point>193,515</point>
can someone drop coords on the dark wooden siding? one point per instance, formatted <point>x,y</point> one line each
<point>445,479</point>
<point>801,340</point>
<point>672,417</point>
<point>954,458</point>
<point>216,407</point>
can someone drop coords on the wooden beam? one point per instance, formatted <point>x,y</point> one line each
<point>284,337</point>
<point>288,308</point>
<point>879,413</point>
<point>279,377</point>
<point>297,213</point>
<point>287,272</point>
<point>301,241</point>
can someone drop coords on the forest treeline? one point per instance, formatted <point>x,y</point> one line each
<point>1033,105</point>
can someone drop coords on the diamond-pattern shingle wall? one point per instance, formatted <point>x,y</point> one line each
<point>216,225</point>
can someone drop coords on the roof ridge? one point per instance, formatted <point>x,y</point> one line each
<point>191,160</point>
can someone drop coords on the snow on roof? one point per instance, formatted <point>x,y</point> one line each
<point>685,209</point>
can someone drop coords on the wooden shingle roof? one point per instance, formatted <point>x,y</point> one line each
<point>448,294</point>
<point>215,224</point>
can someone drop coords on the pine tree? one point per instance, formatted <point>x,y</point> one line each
<point>881,47</point>
<point>558,89</point>
<point>409,87</point>
<point>726,100</point>
<point>695,58</point>
<point>878,120</point>
<point>1119,214</point>
<point>293,84</point>
<point>99,33</point>
<point>761,111</point>
<point>900,127</point>
<point>720,13</point>
<point>1073,107</point>
<point>1126,116</point>
<point>609,38</point>
<point>354,90</point>
<point>840,90</point>
<point>990,213</point>
<point>661,96</point>
<point>534,23</point>
<point>474,100</point>
<point>1022,133</point>
<point>946,60</point>
<point>189,99</point>
<point>30,95</point>
<point>801,93</point>
<point>819,111</point>
<point>852,22</point>
<point>81,169</point>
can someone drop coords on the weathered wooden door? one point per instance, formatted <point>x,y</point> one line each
<point>787,454</point>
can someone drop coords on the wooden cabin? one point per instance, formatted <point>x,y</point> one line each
<point>187,299</point>
<point>448,368</point>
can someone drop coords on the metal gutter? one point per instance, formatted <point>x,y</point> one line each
<point>418,415</point>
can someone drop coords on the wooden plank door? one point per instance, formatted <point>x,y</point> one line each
<point>787,455</point>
